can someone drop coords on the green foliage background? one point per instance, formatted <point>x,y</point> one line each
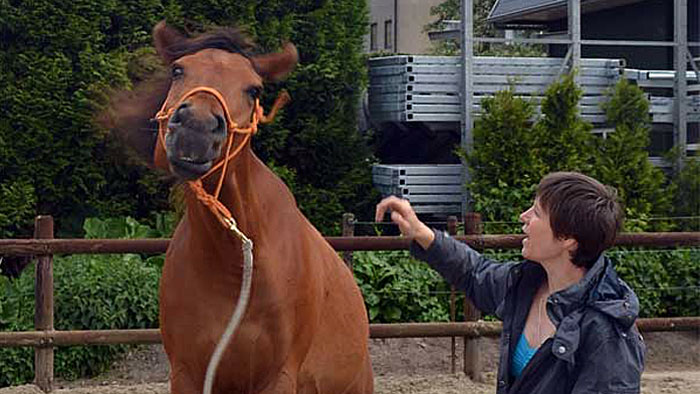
<point>398,288</point>
<point>92,292</point>
<point>513,149</point>
<point>59,60</point>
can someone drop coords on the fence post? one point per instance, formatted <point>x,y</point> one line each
<point>348,231</point>
<point>472,354</point>
<point>43,309</point>
<point>452,230</point>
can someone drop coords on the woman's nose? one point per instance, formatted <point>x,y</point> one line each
<point>525,215</point>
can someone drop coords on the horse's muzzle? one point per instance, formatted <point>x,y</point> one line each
<point>194,141</point>
<point>190,170</point>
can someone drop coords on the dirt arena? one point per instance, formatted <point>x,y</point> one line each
<point>407,366</point>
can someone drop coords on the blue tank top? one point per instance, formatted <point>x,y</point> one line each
<point>522,355</point>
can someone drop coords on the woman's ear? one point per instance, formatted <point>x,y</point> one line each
<point>276,66</point>
<point>570,244</point>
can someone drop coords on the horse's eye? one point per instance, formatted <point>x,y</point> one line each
<point>177,71</point>
<point>254,92</point>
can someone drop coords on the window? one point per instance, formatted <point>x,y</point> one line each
<point>373,37</point>
<point>388,36</point>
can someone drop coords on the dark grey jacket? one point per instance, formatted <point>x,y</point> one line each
<point>596,347</point>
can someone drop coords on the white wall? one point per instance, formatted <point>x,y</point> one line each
<point>408,35</point>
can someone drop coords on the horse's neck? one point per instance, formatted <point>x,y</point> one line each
<point>251,192</point>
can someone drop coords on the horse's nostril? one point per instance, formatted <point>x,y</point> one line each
<point>181,113</point>
<point>220,124</point>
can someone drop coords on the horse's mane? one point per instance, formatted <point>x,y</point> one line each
<point>129,113</point>
<point>224,38</point>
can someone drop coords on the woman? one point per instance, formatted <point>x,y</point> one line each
<point>568,320</point>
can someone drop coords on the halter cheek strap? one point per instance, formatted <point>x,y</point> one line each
<point>212,201</point>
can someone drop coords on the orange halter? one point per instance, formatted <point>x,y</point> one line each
<point>212,201</point>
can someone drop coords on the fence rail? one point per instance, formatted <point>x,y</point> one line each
<point>470,329</point>
<point>45,338</point>
<point>36,247</point>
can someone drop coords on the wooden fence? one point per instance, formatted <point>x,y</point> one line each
<point>45,338</point>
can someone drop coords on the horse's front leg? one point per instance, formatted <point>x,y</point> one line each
<point>181,382</point>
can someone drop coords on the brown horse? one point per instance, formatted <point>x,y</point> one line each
<point>305,329</point>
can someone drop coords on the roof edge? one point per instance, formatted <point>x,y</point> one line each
<point>523,11</point>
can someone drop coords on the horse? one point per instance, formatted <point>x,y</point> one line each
<point>306,328</point>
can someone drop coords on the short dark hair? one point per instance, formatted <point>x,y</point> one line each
<point>581,208</point>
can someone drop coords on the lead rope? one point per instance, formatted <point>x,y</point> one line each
<point>222,213</point>
<point>241,306</point>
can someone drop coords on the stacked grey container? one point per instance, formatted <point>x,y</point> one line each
<point>431,188</point>
<point>426,88</point>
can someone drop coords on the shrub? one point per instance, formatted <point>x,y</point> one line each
<point>686,202</point>
<point>58,62</point>
<point>398,288</point>
<point>17,207</point>
<point>510,154</point>
<point>623,159</point>
<point>562,140</point>
<point>92,292</point>
<point>503,165</point>
<point>666,281</point>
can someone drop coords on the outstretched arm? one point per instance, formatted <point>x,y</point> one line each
<point>483,280</point>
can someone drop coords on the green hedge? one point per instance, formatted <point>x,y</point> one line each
<point>513,150</point>
<point>667,282</point>
<point>91,293</point>
<point>58,61</point>
<point>398,288</point>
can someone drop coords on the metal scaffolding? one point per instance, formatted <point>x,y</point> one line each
<point>682,56</point>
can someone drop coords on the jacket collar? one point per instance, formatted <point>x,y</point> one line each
<point>565,308</point>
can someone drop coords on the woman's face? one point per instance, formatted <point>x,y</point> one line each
<point>540,244</point>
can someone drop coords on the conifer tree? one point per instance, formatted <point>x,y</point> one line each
<point>623,159</point>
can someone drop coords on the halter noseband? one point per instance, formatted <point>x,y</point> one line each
<point>212,201</point>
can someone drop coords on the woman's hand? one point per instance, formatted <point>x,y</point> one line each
<point>403,214</point>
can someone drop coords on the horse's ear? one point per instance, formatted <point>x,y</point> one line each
<point>276,66</point>
<point>164,37</point>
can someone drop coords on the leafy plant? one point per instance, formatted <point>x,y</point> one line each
<point>503,163</point>
<point>92,292</point>
<point>58,63</point>
<point>623,159</point>
<point>397,288</point>
<point>562,140</point>
<point>686,201</point>
<point>667,282</point>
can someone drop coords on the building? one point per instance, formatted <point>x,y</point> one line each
<point>398,26</point>
<point>629,20</point>
<point>638,20</point>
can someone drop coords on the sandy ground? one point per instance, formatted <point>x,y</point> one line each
<point>407,366</point>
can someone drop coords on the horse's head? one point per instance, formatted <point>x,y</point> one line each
<point>214,90</point>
